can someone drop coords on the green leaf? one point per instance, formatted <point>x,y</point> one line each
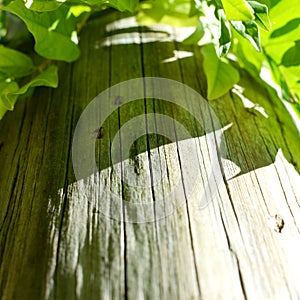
<point>286,81</point>
<point>47,78</point>
<point>15,64</point>
<point>196,36</point>
<point>221,76</point>
<point>266,2</point>
<point>123,5</point>
<point>225,36</point>
<point>249,31</point>
<point>196,8</point>
<point>54,32</point>
<point>261,15</point>
<point>284,11</point>
<point>129,5</point>
<point>248,58</point>
<point>42,5</point>
<point>9,91</point>
<point>215,3</point>
<point>292,56</point>
<point>292,77</point>
<point>175,13</point>
<point>237,10</point>
<point>3,76</point>
<point>5,103</point>
<point>78,10</point>
<point>287,28</point>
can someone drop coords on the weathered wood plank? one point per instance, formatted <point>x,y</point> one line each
<point>64,237</point>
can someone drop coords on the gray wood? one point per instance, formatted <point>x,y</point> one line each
<point>57,239</point>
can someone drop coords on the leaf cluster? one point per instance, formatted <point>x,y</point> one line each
<point>260,36</point>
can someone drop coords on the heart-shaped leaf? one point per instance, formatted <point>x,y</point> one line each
<point>54,32</point>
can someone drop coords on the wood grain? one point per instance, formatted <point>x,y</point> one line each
<point>63,238</point>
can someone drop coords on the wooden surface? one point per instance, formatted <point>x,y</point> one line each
<point>57,242</point>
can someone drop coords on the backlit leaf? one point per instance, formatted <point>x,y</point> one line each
<point>261,15</point>
<point>220,75</point>
<point>237,10</point>
<point>292,56</point>
<point>225,36</point>
<point>249,31</point>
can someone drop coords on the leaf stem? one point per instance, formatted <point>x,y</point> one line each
<point>44,65</point>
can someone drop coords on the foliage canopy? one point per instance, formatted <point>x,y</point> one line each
<point>260,36</point>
